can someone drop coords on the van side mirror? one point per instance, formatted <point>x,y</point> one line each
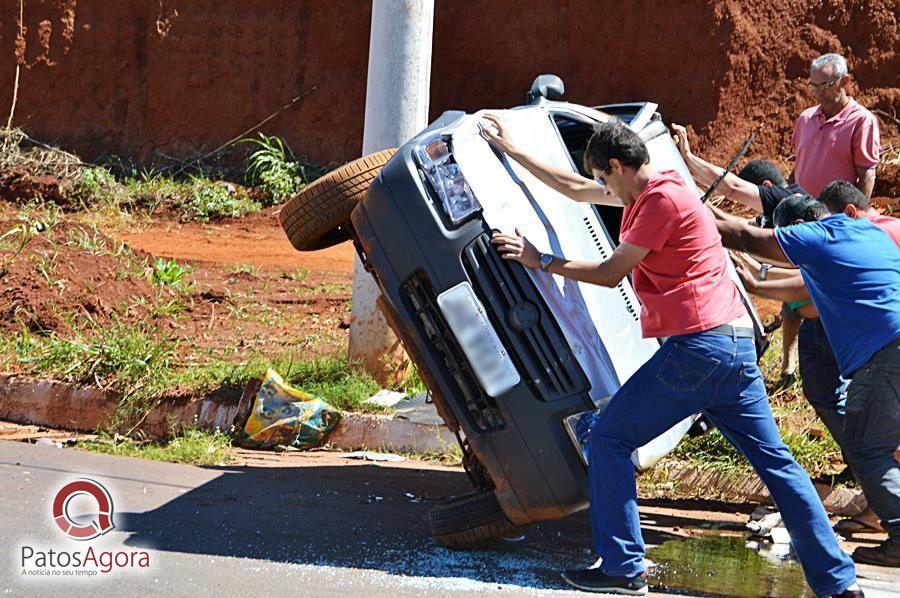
<point>545,86</point>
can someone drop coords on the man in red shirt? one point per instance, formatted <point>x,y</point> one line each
<point>838,139</point>
<point>670,244</point>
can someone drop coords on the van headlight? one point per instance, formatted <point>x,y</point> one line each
<point>446,179</point>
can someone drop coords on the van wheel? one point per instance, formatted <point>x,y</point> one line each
<point>319,215</point>
<point>469,521</point>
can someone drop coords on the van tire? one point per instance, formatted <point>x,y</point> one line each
<point>319,215</point>
<point>469,521</point>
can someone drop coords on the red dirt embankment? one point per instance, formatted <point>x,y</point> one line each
<point>156,78</point>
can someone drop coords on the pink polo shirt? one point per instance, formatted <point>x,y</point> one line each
<point>832,149</point>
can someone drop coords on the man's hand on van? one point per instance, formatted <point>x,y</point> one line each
<point>517,248</point>
<point>681,140</point>
<point>495,133</point>
<point>746,275</point>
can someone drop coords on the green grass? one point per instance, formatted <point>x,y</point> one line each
<point>128,359</point>
<point>169,273</point>
<point>815,455</point>
<point>194,198</point>
<point>191,445</point>
<point>250,269</point>
<point>118,190</point>
<point>121,356</point>
<point>212,201</point>
<point>331,378</point>
<point>271,167</point>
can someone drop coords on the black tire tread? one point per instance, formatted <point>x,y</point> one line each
<point>469,522</point>
<point>325,204</point>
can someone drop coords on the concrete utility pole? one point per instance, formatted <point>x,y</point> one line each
<point>397,92</point>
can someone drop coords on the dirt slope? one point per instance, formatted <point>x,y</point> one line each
<point>157,78</point>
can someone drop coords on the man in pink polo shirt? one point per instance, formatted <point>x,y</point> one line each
<point>838,139</point>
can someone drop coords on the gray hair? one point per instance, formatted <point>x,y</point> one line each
<point>837,63</point>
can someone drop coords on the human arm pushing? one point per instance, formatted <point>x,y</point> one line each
<point>732,186</point>
<point>608,273</point>
<point>755,267</point>
<point>562,180</point>
<point>721,214</point>
<point>752,239</point>
<point>789,289</point>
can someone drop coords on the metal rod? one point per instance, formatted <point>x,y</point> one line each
<point>731,165</point>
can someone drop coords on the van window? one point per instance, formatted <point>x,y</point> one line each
<point>575,134</point>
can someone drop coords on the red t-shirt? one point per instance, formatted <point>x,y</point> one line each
<point>683,282</point>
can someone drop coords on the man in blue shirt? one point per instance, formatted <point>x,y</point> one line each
<point>852,272</point>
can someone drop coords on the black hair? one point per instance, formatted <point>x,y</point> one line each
<point>760,171</point>
<point>614,140</point>
<point>798,206</point>
<point>837,195</point>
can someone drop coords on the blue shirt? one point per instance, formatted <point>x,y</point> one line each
<point>852,271</point>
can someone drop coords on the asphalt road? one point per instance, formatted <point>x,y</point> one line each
<point>305,524</point>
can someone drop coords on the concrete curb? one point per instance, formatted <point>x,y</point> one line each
<point>87,408</point>
<point>386,433</point>
<point>689,479</point>
<point>83,408</point>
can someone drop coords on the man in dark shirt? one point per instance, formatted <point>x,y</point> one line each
<point>760,186</point>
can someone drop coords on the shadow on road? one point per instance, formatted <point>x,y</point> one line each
<point>366,517</point>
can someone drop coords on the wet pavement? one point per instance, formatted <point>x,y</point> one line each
<point>314,524</point>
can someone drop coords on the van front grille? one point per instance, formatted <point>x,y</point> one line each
<point>481,407</point>
<point>527,328</point>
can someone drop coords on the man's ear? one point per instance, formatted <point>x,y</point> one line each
<point>851,211</point>
<point>848,84</point>
<point>616,165</point>
<point>767,183</point>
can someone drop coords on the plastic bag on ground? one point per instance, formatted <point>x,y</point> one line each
<point>286,416</point>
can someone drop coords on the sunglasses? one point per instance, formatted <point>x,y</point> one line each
<point>825,85</point>
<point>600,179</point>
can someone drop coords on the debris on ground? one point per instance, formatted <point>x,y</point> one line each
<point>385,398</point>
<point>770,538</point>
<point>373,456</point>
<point>418,408</point>
<point>287,417</point>
<point>48,442</point>
<point>764,522</point>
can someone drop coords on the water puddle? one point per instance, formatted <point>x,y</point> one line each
<point>724,566</point>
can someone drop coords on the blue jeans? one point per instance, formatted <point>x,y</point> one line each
<point>717,375</point>
<point>823,385</point>
<point>872,434</point>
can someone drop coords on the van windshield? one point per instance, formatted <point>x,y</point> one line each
<point>575,134</point>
